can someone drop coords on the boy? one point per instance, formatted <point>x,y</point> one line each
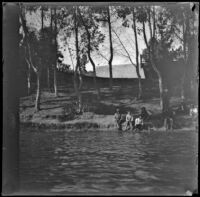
<point>139,123</point>
<point>129,120</point>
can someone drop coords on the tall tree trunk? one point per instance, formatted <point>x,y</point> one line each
<point>55,81</point>
<point>48,66</point>
<point>80,78</point>
<point>160,80</point>
<point>78,92</point>
<point>29,81</point>
<point>184,65</point>
<point>149,22</point>
<point>152,62</point>
<point>95,83</point>
<point>38,92</point>
<point>11,66</point>
<point>35,69</point>
<point>137,57</point>
<point>48,77</point>
<point>162,104</point>
<point>111,49</point>
<point>55,60</point>
<point>186,31</point>
<point>154,23</point>
<point>90,58</point>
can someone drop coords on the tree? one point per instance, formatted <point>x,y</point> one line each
<point>111,47</point>
<point>56,24</point>
<point>74,25</point>
<point>77,68</point>
<point>94,38</point>
<point>55,53</point>
<point>159,43</point>
<point>137,53</point>
<point>23,51</point>
<point>103,15</point>
<point>70,26</point>
<point>34,53</point>
<point>51,35</point>
<point>23,61</point>
<point>44,15</point>
<point>123,12</point>
<point>186,31</point>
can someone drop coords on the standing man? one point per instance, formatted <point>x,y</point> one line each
<point>168,119</point>
<point>118,119</point>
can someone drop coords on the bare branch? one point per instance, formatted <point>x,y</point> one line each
<point>102,56</point>
<point>123,47</point>
<point>181,39</point>
<point>121,54</point>
<point>30,58</point>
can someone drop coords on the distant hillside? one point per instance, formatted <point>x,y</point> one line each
<point>119,71</point>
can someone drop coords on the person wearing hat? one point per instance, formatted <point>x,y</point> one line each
<point>144,114</point>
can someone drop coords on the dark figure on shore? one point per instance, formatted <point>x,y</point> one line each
<point>168,119</point>
<point>182,109</point>
<point>139,123</point>
<point>118,119</point>
<point>129,121</point>
<point>144,114</point>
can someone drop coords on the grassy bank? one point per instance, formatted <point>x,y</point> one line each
<point>99,115</point>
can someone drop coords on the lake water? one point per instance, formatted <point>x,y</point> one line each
<point>108,162</point>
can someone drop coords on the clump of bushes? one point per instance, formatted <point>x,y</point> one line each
<point>69,112</point>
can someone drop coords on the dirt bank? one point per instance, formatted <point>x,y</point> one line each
<point>99,115</point>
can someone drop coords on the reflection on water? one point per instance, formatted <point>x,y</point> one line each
<point>108,162</point>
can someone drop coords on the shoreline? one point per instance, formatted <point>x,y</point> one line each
<point>100,124</point>
<point>98,115</point>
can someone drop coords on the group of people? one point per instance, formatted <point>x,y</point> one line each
<point>131,122</point>
<point>141,121</point>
